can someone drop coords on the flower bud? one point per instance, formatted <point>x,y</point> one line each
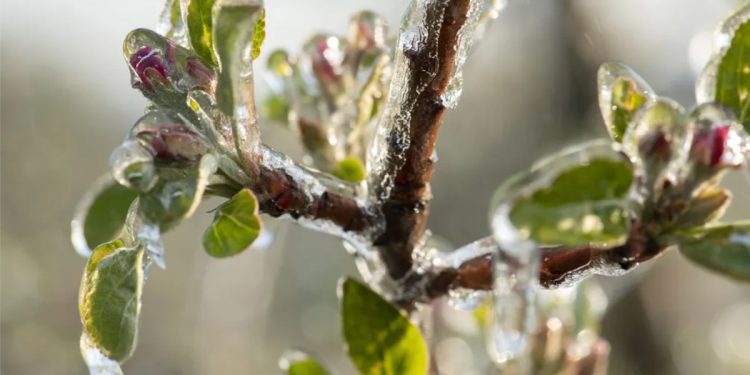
<point>149,65</point>
<point>717,139</point>
<point>173,143</point>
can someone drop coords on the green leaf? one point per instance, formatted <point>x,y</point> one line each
<point>236,225</point>
<point>350,169</point>
<point>723,248</point>
<point>200,28</point>
<point>101,214</point>
<point>295,362</point>
<point>706,207</point>
<point>259,34</point>
<point>177,194</point>
<point>621,93</point>
<point>733,75</point>
<point>110,298</point>
<point>379,339</point>
<point>582,205</point>
<point>235,29</point>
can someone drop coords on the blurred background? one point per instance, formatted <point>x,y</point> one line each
<point>529,89</point>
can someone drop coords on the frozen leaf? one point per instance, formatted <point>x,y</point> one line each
<point>379,339</point>
<point>234,27</point>
<point>199,23</point>
<point>621,93</point>
<point>236,225</point>
<point>350,169</point>
<point>705,207</point>
<point>295,362</point>
<point>100,214</point>
<point>723,248</point>
<point>582,203</point>
<point>110,298</point>
<point>726,78</point>
<point>177,194</point>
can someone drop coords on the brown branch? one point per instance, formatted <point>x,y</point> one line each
<point>406,207</point>
<point>558,267</point>
<point>285,189</point>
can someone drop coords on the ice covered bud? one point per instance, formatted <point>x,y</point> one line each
<point>148,65</point>
<point>173,143</point>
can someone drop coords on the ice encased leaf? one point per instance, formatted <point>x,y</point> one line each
<point>621,93</point>
<point>100,215</point>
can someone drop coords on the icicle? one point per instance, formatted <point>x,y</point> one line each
<point>516,276</point>
<point>97,362</point>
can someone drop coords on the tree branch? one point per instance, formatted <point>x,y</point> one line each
<point>406,204</point>
<point>559,266</point>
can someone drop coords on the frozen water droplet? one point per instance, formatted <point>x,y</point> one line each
<point>97,362</point>
<point>133,166</point>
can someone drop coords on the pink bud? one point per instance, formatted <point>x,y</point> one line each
<point>148,65</point>
<point>717,147</point>
<point>175,142</point>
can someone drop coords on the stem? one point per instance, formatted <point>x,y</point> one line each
<point>406,206</point>
<point>559,266</point>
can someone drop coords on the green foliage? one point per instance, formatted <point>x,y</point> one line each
<point>110,298</point>
<point>626,100</point>
<point>733,76</point>
<point>236,225</point>
<point>350,169</point>
<point>104,213</point>
<point>200,28</point>
<point>235,29</point>
<point>299,363</point>
<point>379,339</point>
<point>259,34</point>
<point>722,248</point>
<point>581,205</point>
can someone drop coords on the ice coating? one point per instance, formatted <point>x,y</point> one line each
<point>163,70</point>
<point>608,76</point>
<point>133,166</point>
<point>517,262</point>
<point>467,36</point>
<point>419,30</point>
<point>171,23</point>
<point>96,361</point>
<point>718,140</point>
<point>705,85</point>
<point>463,298</point>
